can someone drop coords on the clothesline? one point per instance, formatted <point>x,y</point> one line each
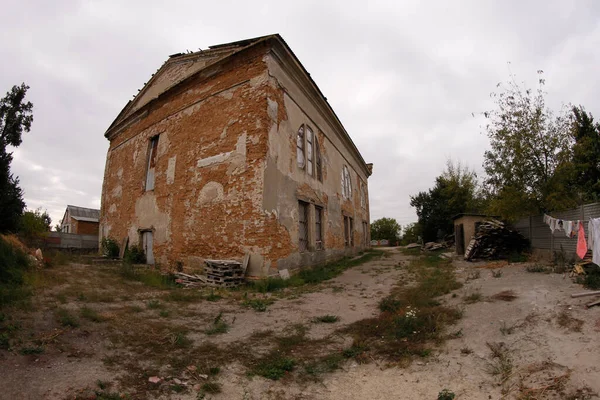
<point>572,228</point>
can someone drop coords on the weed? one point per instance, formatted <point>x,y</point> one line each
<point>184,296</point>
<point>507,330</point>
<point>474,275</point>
<point>354,351</point>
<point>505,295</point>
<point>331,270</point>
<point>154,304</point>
<point>15,265</point>
<point>135,309</point>
<point>164,313</point>
<point>101,384</point>
<point>446,395</point>
<point>457,334</point>
<point>566,321</point>
<point>501,363</point>
<point>473,298</point>
<point>90,314</point>
<point>273,366</point>
<point>31,350</point>
<point>109,247</point>
<point>466,351</point>
<point>65,318</point>
<point>218,326</point>
<point>213,297</point>
<point>4,341</point>
<point>149,277</point>
<point>134,255</point>
<point>496,274</point>
<point>327,319</point>
<point>326,364</point>
<point>591,280</point>
<point>180,339</point>
<point>177,388</point>
<point>214,371</point>
<point>537,268</point>
<point>211,387</point>
<point>259,305</point>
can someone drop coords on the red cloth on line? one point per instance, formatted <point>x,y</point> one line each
<point>581,243</point>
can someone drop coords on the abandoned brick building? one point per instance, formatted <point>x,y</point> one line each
<point>235,150</point>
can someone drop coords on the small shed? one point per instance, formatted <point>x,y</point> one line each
<point>465,226</point>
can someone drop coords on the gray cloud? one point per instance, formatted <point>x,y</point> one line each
<point>404,77</point>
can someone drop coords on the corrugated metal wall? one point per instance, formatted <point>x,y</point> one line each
<point>542,238</point>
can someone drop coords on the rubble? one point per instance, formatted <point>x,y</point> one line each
<point>494,240</point>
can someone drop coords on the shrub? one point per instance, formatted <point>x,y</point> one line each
<point>135,255</point>
<point>109,247</point>
<point>14,263</point>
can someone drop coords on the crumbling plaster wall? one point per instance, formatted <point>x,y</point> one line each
<point>286,183</point>
<point>208,195</point>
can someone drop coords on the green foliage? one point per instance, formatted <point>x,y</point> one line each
<point>65,318</point>
<point>109,247</point>
<point>274,366</point>
<point>134,255</point>
<point>218,326</point>
<point>31,350</point>
<point>411,233</point>
<point>15,117</point>
<point>446,395</point>
<point>385,228</point>
<point>259,305</point>
<point>586,155</point>
<point>455,191</point>
<point>14,264</point>
<point>528,145</point>
<point>34,223</point>
<point>326,319</point>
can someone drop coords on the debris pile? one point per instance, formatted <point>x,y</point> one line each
<point>494,240</point>
<point>217,273</point>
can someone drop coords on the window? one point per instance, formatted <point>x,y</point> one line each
<point>348,229</point>
<point>152,150</point>
<point>300,147</point>
<point>302,226</point>
<point>363,195</point>
<point>318,162</point>
<point>346,183</point>
<point>319,228</point>
<point>308,152</point>
<point>365,227</point>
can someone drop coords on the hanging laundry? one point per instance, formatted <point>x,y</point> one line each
<point>594,239</point>
<point>552,224</point>
<point>560,225</point>
<point>568,225</point>
<point>582,247</point>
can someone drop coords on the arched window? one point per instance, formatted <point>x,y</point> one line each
<point>346,183</point>
<point>300,147</point>
<point>318,161</point>
<point>309,150</point>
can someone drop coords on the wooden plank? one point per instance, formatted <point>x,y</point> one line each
<point>124,244</point>
<point>597,292</point>
<point>592,304</point>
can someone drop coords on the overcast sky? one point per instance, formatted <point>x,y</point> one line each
<point>404,77</point>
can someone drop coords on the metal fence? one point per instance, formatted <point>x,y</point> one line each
<point>63,240</point>
<point>534,229</point>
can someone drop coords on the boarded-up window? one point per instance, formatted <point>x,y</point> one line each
<point>318,161</point>
<point>319,228</point>
<point>363,195</point>
<point>150,172</point>
<point>302,226</point>
<point>348,229</point>
<point>300,147</point>
<point>365,227</point>
<point>346,183</point>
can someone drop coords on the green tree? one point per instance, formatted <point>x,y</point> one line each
<point>455,191</point>
<point>385,228</point>
<point>411,233</point>
<point>586,155</point>
<point>15,117</point>
<point>528,144</point>
<point>35,223</point>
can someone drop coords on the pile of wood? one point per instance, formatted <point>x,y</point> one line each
<point>493,240</point>
<point>217,273</point>
<point>593,303</point>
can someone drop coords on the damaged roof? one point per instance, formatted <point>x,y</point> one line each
<point>181,66</point>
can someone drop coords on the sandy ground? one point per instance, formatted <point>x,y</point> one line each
<point>543,353</point>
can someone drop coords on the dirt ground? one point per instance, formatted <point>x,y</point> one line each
<point>531,342</point>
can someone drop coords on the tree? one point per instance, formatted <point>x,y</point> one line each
<point>35,223</point>
<point>528,144</point>
<point>455,191</point>
<point>15,117</point>
<point>385,228</point>
<point>411,233</point>
<point>586,155</point>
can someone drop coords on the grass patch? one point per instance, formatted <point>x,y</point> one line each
<point>326,319</point>
<point>473,298</point>
<point>259,305</point>
<point>211,388</point>
<point>474,275</point>
<point>90,314</point>
<point>496,273</point>
<point>446,395</point>
<point>65,318</point>
<point>31,350</point>
<point>274,366</point>
<point>149,277</point>
<point>218,326</point>
<point>14,266</point>
<point>412,319</point>
<point>501,363</point>
<point>213,297</point>
<point>154,304</point>
<point>184,296</point>
<point>538,268</point>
